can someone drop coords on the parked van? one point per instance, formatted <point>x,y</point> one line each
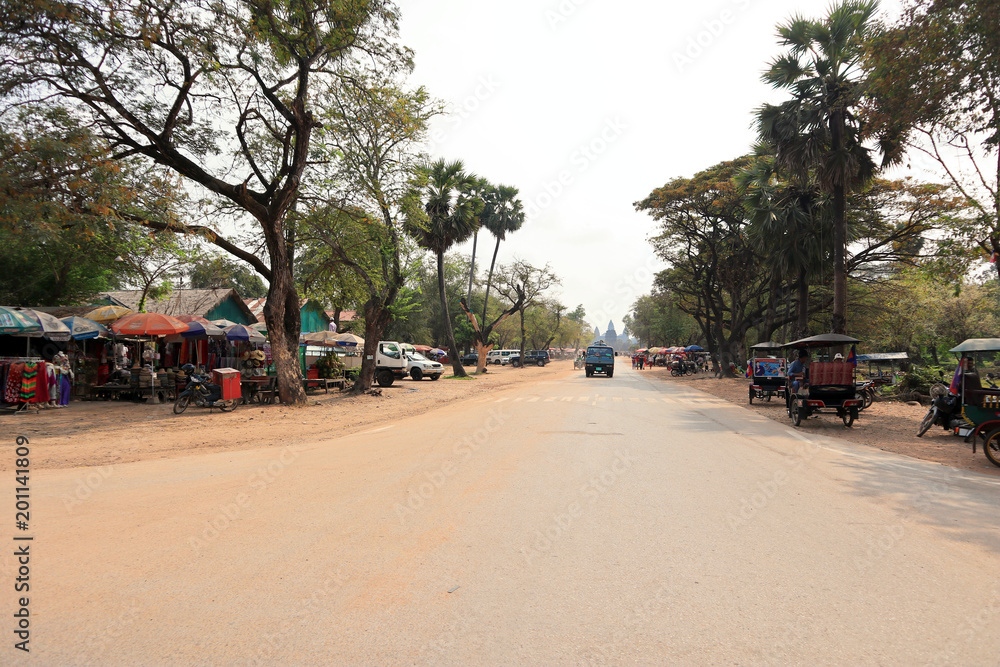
<point>500,357</point>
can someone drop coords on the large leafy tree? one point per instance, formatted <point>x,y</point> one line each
<point>935,92</point>
<point>216,271</point>
<point>449,215</point>
<point>354,228</point>
<point>220,94</point>
<point>525,286</point>
<point>816,134</point>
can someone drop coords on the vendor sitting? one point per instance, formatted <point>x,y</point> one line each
<point>798,372</point>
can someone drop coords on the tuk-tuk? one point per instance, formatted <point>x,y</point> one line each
<point>766,372</point>
<point>830,386</point>
<point>980,406</point>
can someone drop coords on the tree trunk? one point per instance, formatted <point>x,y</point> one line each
<point>521,313</point>
<point>482,349</point>
<point>839,319</point>
<point>456,362</point>
<point>377,318</point>
<point>281,312</point>
<point>802,312</point>
<point>472,273</point>
<point>489,280</point>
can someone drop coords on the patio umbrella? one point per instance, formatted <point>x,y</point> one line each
<point>350,340</point>
<point>149,324</point>
<point>14,321</point>
<point>327,338</point>
<point>108,314</point>
<point>223,323</point>
<point>239,332</point>
<point>438,352</point>
<point>693,348</point>
<point>260,327</point>
<point>203,329</point>
<point>83,329</point>
<point>50,326</point>
<point>422,348</point>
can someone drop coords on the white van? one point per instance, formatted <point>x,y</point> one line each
<point>500,357</point>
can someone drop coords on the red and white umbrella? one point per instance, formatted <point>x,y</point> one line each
<point>148,324</point>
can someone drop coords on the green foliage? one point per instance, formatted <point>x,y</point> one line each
<point>330,366</point>
<point>921,378</point>
<point>220,272</point>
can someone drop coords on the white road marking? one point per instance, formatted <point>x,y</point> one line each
<point>377,430</point>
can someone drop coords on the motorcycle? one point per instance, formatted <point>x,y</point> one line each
<point>198,392</point>
<point>578,363</point>
<point>945,407</point>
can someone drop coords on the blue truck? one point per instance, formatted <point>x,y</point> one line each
<point>600,358</point>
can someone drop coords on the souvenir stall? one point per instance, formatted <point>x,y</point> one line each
<point>37,378</point>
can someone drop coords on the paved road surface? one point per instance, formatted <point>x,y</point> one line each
<point>572,521</point>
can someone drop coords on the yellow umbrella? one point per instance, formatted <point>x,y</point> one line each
<point>108,314</point>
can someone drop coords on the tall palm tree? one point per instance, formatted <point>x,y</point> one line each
<point>788,223</point>
<point>502,215</point>
<point>816,133</point>
<point>480,189</point>
<point>451,217</point>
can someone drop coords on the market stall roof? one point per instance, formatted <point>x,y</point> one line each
<point>50,326</point>
<point>14,321</point>
<point>238,332</point>
<point>884,356</point>
<point>822,340</point>
<point>108,314</point>
<point>769,345</point>
<point>83,329</point>
<point>978,345</point>
<point>148,324</point>
<point>328,338</point>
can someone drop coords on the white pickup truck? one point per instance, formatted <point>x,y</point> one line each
<point>390,363</point>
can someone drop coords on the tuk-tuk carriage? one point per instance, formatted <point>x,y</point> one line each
<point>766,371</point>
<point>979,413</point>
<point>829,387</point>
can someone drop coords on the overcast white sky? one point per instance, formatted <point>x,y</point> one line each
<point>586,106</point>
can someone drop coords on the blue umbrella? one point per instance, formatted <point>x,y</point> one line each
<point>83,329</point>
<point>693,348</point>
<point>198,329</point>
<point>238,332</point>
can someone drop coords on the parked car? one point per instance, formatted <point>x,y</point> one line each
<point>500,357</point>
<point>470,359</point>
<point>531,358</point>
<point>418,366</point>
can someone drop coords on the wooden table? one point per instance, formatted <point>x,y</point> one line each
<point>261,388</point>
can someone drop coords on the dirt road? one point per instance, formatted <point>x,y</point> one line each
<point>563,521</point>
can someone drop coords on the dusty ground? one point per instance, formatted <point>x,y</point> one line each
<point>102,433</point>
<point>887,425</point>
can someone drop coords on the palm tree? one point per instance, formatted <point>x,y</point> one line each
<point>502,215</point>
<point>788,222</point>
<point>480,189</point>
<point>816,133</point>
<point>451,217</point>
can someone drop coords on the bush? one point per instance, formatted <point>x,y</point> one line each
<point>920,379</point>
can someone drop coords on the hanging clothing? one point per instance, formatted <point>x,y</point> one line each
<point>12,390</point>
<point>29,383</point>
<point>65,389</point>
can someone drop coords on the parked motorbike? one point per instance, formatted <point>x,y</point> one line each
<point>944,411</point>
<point>578,362</point>
<point>200,393</point>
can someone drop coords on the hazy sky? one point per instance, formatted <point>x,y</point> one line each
<point>586,106</point>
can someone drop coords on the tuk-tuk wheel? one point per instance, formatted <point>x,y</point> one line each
<point>849,416</point>
<point>796,412</point>
<point>992,447</point>
<point>751,395</point>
